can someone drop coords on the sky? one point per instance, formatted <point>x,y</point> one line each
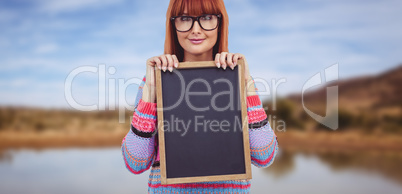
<point>77,53</point>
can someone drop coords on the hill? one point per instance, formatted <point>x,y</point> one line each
<point>381,93</point>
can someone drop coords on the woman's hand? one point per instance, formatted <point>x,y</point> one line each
<point>163,62</point>
<point>225,59</point>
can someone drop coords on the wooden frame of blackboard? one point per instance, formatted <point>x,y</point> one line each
<point>161,136</point>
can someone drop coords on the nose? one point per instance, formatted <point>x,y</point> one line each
<point>196,27</point>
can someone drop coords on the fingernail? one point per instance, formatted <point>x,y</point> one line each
<point>164,69</point>
<point>176,65</point>
<point>224,67</point>
<point>170,69</point>
<point>235,64</point>
<point>218,65</point>
<point>232,67</point>
<point>159,67</point>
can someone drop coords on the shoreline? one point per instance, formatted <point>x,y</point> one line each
<point>289,140</point>
<point>339,141</point>
<point>18,140</point>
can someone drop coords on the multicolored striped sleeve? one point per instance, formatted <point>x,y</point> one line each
<point>263,142</point>
<point>138,146</point>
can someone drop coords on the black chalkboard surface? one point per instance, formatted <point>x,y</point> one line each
<point>201,118</point>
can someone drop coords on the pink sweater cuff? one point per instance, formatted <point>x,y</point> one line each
<point>256,113</point>
<point>145,119</point>
<point>253,101</point>
<point>148,108</point>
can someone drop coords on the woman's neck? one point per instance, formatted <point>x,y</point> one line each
<point>207,56</point>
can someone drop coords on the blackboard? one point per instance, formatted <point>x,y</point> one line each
<point>202,114</point>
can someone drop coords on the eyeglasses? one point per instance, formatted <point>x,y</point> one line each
<point>207,22</point>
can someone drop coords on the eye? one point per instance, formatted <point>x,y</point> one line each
<point>206,17</point>
<point>185,18</point>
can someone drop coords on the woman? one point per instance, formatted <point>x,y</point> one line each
<point>195,31</point>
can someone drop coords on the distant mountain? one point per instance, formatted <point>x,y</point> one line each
<point>381,93</point>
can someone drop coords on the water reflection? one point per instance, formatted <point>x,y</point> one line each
<point>5,156</point>
<point>100,171</point>
<point>284,164</point>
<point>387,164</point>
<point>327,172</point>
<point>103,171</point>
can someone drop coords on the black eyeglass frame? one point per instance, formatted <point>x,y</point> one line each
<point>196,18</point>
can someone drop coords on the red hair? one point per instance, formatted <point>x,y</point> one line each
<point>196,7</point>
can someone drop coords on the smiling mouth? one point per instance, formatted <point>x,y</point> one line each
<point>196,41</point>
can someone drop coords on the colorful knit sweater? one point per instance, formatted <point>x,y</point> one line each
<point>141,151</point>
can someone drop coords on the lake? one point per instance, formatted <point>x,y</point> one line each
<point>102,170</point>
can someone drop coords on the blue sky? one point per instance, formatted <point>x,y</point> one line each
<point>43,41</point>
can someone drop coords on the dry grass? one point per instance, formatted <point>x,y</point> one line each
<point>29,127</point>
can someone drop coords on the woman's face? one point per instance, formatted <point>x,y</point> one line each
<point>197,42</point>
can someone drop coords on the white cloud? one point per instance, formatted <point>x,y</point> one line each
<point>7,15</point>
<point>51,6</point>
<point>46,48</point>
<point>362,38</point>
<point>292,41</point>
